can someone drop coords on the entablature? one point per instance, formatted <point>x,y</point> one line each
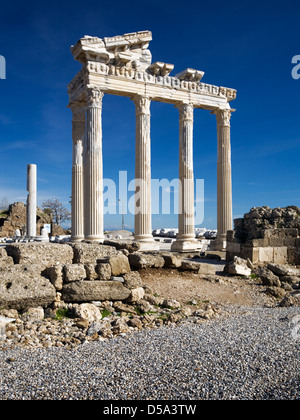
<point>122,66</point>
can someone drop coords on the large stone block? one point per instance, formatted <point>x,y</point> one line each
<point>280,255</point>
<point>46,254</point>
<point>130,246</point>
<point>251,253</point>
<point>132,280</point>
<point>293,255</point>
<point>74,272</point>
<point>87,291</point>
<point>266,254</point>
<point>281,233</point>
<point>171,260</point>
<point>119,264</point>
<point>141,260</point>
<point>85,253</point>
<point>103,271</point>
<point>282,242</point>
<point>22,287</point>
<point>256,243</point>
<point>91,273</point>
<point>238,267</point>
<point>198,267</point>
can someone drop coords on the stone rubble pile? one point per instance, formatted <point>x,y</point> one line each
<point>66,294</point>
<point>262,218</point>
<point>94,290</point>
<point>281,281</point>
<point>75,324</point>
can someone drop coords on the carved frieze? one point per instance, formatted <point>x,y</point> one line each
<point>130,50</point>
<point>168,81</point>
<point>191,75</point>
<point>160,69</point>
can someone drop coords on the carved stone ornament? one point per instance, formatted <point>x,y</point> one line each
<point>142,104</point>
<point>186,112</point>
<point>94,96</point>
<point>223,117</point>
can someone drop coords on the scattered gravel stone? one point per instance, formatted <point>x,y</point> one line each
<point>252,354</point>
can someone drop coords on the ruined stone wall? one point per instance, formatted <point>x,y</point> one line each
<point>15,218</point>
<point>266,235</point>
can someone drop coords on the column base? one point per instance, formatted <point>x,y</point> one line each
<point>77,238</point>
<point>94,238</point>
<point>147,243</point>
<point>41,238</point>
<point>185,245</point>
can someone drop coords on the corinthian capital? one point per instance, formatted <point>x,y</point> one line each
<point>94,96</point>
<point>186,112</point>
<point>142,104</point>
<point>223,117</point>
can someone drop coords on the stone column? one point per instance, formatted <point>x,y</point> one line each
<point>93,167</point>
<point>142,223</point>
<point>224,222</point>
<point>78,132</point>
<point>31,200</point>
<point>186,220</point>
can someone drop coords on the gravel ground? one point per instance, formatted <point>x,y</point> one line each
<point>253,354</point>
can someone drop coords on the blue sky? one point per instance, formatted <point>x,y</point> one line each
<point>246,45</point>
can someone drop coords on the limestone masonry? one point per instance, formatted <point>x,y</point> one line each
<point>42,274</point>
<point>266,235</point>
<point>16,218</point>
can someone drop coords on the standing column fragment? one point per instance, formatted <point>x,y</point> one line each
<point>186,220</point>
<point>31,200</point>
<point>93,167</point>
<point>224,222</point>
<point>78,132</point>
<point>143,222</point>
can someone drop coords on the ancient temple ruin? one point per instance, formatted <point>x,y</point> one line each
<point>122,65</point>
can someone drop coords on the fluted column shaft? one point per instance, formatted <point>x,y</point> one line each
<point>143,223</point>
<point>186,219</point>
<point>78,132</point>
<point>93,168</point>
<point>224,221</point>
<point>31,200</point>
